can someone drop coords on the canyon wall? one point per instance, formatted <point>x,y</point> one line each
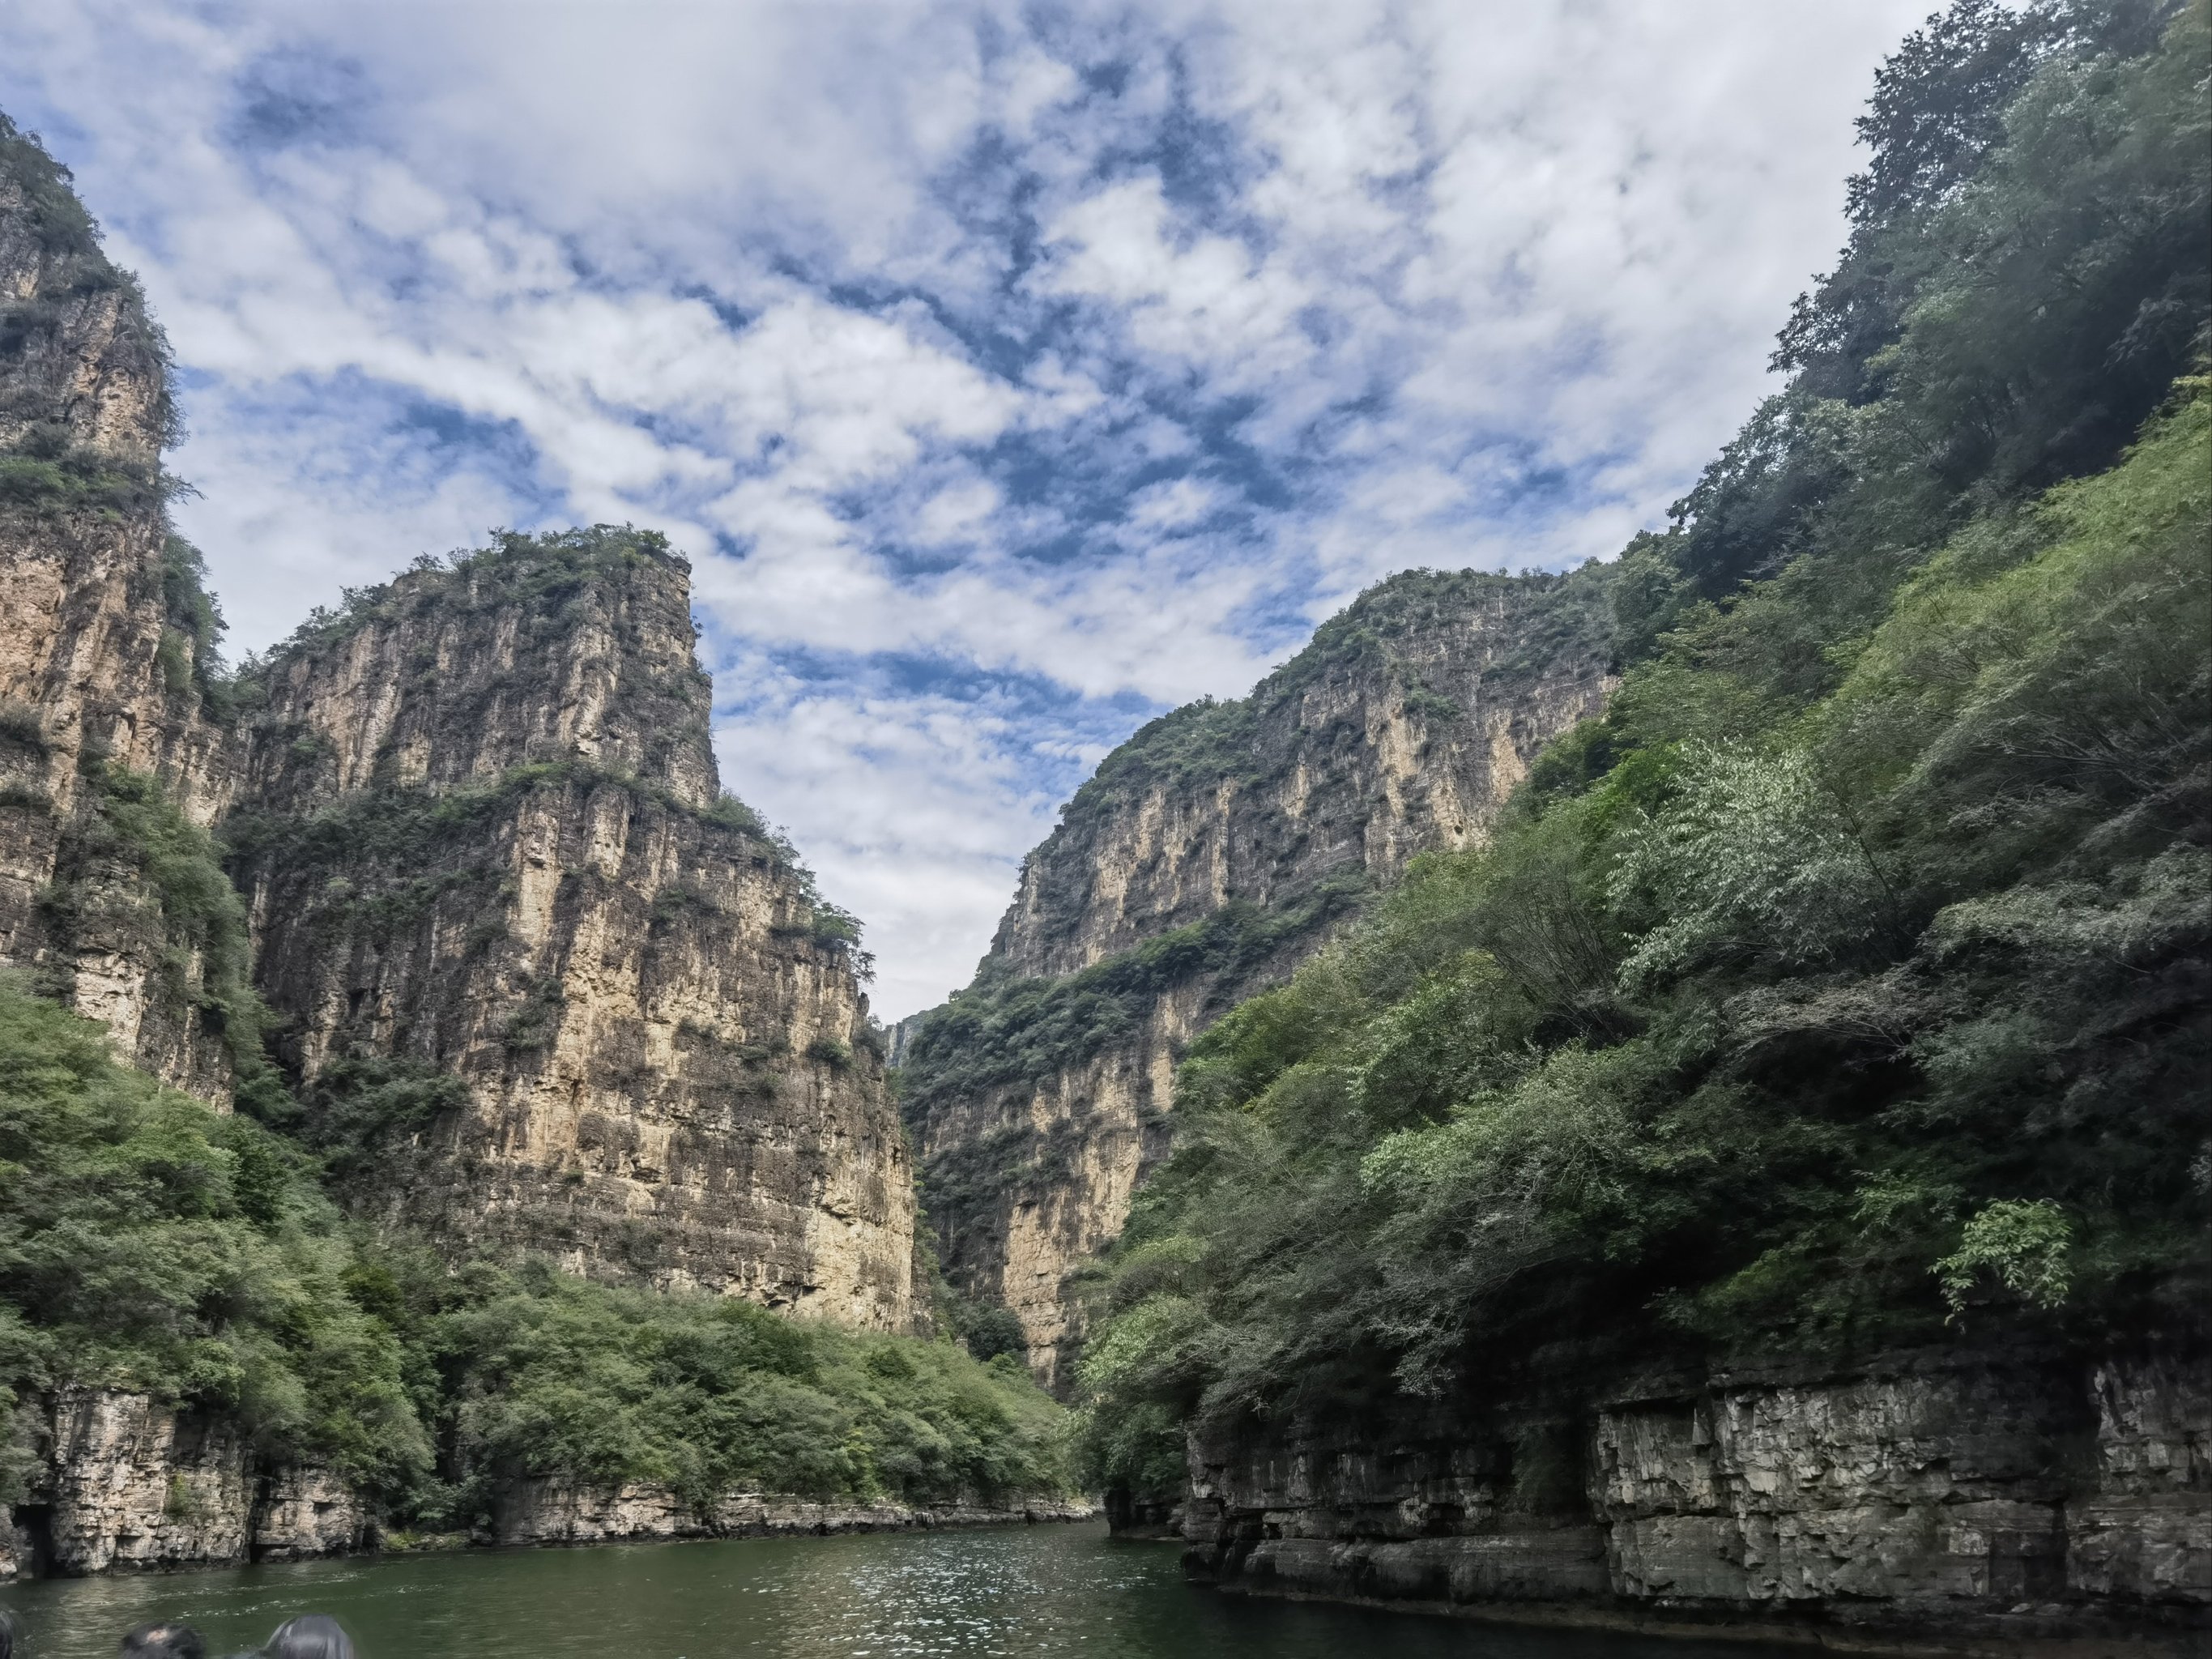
<point>537,983</point>
<point>126,1483</point>
<point>100,681</point>
<point>541,984</point>
<point>1205,858</point>
<point>1943,1496</point>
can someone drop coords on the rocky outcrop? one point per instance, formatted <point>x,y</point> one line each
<point>1936,1497</point>
<point>126,1483</point>
<point>543,984</point>
<point>1206,858</point>
<point>98,669</point>
<point>547,1512</point>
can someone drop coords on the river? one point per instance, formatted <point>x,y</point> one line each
<point>1015,1591</point>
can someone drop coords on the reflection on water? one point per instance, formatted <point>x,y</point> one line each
<point>1041,1590</point>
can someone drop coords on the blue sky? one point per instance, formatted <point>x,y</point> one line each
<point>1009,373</point>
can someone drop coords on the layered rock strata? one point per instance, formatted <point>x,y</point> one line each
<point>1946,1496</point>
<point>1206,858</point>
<point>549,1512</point>
<point>98,679</point>
<point>542,985</point>
<point>127,1484</point>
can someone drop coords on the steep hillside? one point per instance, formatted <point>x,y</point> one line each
<point>1206,858</point>
<point>108,764</point>
<point>541,984</point>
<point>1771,1182</point>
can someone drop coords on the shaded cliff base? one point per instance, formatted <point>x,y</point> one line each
<point>2004,1638</point>
<point>129,1485</point>
<point>1937,1504</point>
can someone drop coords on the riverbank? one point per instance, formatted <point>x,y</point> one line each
<point>129,1485</point>
<point>1930,1502</point>
<point>546,1513</point>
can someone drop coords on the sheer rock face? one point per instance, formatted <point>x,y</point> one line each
<point>2011,1496</point>
<point>1402,728</point>
<point>1259,824</point>
<point>86,674</point>
<point>490,852</point>
<point>483,843</point>
<point>128,1483</point>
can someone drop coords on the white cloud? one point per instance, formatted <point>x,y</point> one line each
<point>1041,347</point>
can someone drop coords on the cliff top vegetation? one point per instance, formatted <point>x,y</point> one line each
<point>1211,739</point>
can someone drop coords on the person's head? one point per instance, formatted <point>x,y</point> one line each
<point>166,1640</point>
<point>312,1636</point>
<point>9,1630</point>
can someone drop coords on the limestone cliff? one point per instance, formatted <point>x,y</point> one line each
<point>129,1482</point>
<point>102,648</point>
<point>1207,857</point>
<point>541,984</point>
<point>1948,1497</point>
<point>538,982</point>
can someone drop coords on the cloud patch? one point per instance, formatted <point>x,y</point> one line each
<point>1007,372</point>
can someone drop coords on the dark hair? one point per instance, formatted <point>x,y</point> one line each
<point>311,1636</point>
<point>165,1640</point>
<point>9,1630</point>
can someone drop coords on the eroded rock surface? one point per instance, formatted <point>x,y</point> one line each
<point>96,675</point>
<point>548,1512</point>
<point>481,841</point>
<point>2024,1495</point>
<point>127,1483</point>
<point>1207,857</point>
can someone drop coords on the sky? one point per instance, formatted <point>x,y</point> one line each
<point>1008,373</point>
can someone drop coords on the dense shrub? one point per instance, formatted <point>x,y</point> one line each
<point>147,1243</point>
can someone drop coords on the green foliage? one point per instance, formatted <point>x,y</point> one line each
<point>56,219</point>
<point>146,1243</point>
<point>413,830</point>
<point>714,1394</point>
<point>359,1107</point>
<point>196,915</point>
<point>46,472</point>
<point>1846,978</point>
<point>986,1333</point>
<point>2023,1245</point>
<point>2026,274</point>
<point>539,574</point>
<point>535,1019</point>
<point>1009,1030</point>
<point>70,268</point>
<point>191,660</point>
<point>21,727</point>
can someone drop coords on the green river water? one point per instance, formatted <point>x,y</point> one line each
<point>1045,1590</point>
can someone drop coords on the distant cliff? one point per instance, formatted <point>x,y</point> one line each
<point>541,982</point>
<point>1207,857</point>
